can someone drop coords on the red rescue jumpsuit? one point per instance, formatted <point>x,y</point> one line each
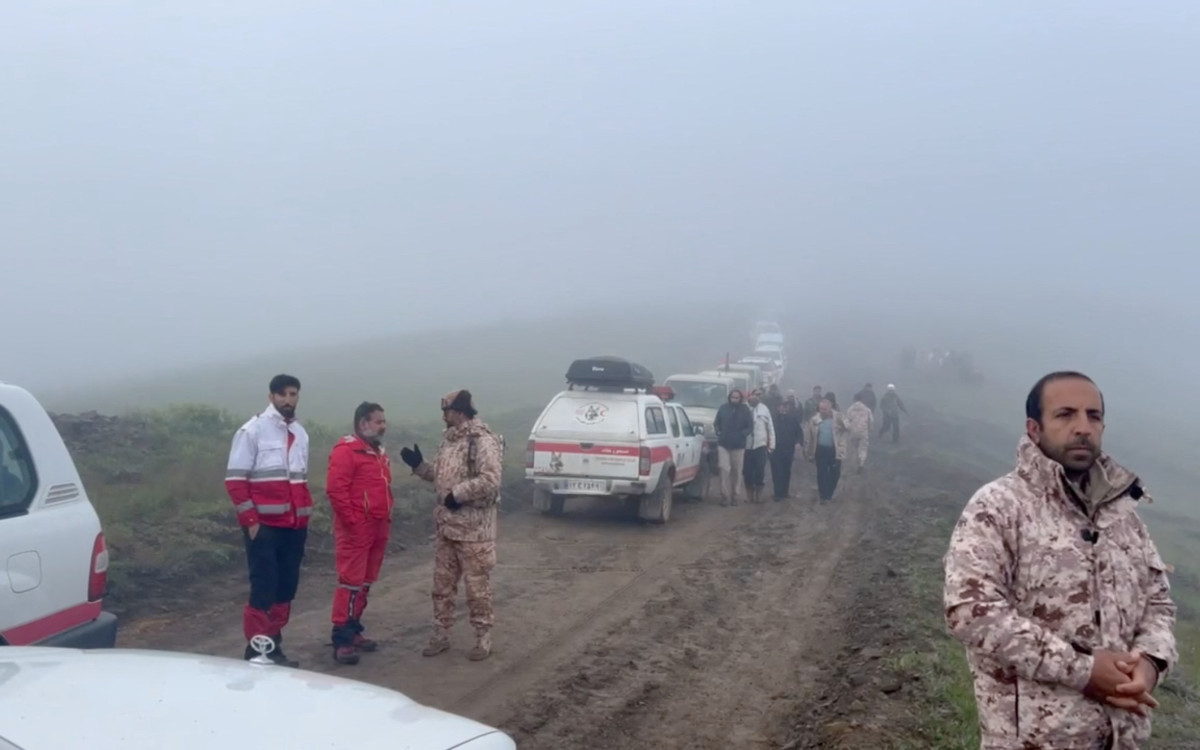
<point>359,486</point>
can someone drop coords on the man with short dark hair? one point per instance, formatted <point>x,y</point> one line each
<point>267,480</point>
<point>359,487</point>
<point>813,404</point>
<point>466,474</point>
<point>1055,588</point>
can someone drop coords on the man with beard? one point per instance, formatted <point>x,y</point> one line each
<point>1056,590</point>
<point>466,476</point>
<point>267,480</point>
<point>359,487</point>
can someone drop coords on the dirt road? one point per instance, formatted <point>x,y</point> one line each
<point>715,630</point>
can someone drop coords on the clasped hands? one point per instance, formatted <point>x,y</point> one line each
<point>1124,680</point>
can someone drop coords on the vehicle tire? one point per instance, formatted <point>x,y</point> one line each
<point>656,507</point>
<point>694,491</point>
<point>556,504</point>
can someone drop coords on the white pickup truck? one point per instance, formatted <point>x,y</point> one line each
<point>612,434</point>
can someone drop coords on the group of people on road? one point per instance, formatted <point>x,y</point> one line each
<point>766,427</point>
<point>267,480</point>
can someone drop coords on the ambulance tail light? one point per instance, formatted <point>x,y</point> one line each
<point>98,572</point>
<point>644,462</point>
<point>530,450</point>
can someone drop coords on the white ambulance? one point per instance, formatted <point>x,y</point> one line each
<point>613,434</point>
<point>52,548</point>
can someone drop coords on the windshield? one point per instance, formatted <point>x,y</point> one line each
<point>688,393</point>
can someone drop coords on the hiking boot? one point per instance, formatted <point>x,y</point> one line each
<point>362,643</point>
<point>483,647</point>
<point>438,642</point>
<point>345,655</point>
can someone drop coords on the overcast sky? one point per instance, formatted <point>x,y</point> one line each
<point>183,181</point>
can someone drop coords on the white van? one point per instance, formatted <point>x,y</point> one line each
<point>610,435</point>
<point>52,548</point>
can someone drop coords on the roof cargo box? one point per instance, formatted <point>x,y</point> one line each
<point>609,372</point>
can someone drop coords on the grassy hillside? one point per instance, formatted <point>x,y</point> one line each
<point>507,364</point>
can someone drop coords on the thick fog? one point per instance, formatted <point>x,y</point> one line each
<point>190,182</point>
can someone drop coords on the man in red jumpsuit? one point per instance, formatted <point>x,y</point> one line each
<point>359,486</point>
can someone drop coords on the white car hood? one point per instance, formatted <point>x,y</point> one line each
<point>125,698</point>
<point>701,414</point>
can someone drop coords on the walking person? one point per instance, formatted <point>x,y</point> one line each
<point>267,479</point>
<point>813,405</point>
<point>788,434</point>
<point>867,395</point>
<point>825,445</point>
<point>359,487</point>
<point>891,406</point>
<point>860,419</point>
<point>733,424</point>
<point>759,446</point>
<point>1056,590</point>
<point>466,475</point>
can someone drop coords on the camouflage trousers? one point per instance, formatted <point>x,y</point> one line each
<point>859,443</point>
<point>472,562</point>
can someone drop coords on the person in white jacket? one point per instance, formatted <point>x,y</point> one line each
<point>759,445</point>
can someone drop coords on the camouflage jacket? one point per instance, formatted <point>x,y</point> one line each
<point>859,418</point>
<point>476,487</point>
<point>841,429</point>
<point>1031,598</point>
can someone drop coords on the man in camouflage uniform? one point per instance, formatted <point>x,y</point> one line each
<point>860,419</point>
<point>466,481</point>
<point>1056,589</point>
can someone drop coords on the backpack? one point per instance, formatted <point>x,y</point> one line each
<point>472,457</point>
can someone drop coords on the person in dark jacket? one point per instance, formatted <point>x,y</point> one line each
<point>787,437</point>
<point>867,396</point>
<point>733,424</point>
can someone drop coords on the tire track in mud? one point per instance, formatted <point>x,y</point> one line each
<point>718,657</point>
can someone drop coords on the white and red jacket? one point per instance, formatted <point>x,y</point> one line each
<point>267,475</point>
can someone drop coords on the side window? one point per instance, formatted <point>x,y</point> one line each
<point>688,429</point>
<point>671,412</point>
<point>18,482</point>
<point>656,424</point>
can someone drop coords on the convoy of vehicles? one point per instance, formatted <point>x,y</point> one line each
<point>52,547</point>
<point>615,434</point>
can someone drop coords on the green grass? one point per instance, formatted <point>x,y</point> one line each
<point>945,701</point>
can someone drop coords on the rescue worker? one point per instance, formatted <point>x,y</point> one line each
<point>825,445</point>
<point>267,480</point>
<point>759,446</point>
<point>860,419</point>
<point>466,475</point>
<point>891,406</point>
<point>359,487</point>
<point>1055,588</point>
<point>788,433</point>
<point>733,424</point>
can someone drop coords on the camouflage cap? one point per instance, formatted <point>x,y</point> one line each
<point>460,401</point>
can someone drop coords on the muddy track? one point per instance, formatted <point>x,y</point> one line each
<point>710,631</point>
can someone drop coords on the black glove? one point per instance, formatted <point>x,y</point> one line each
<point>451,503</point>
<point>412,457</point>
